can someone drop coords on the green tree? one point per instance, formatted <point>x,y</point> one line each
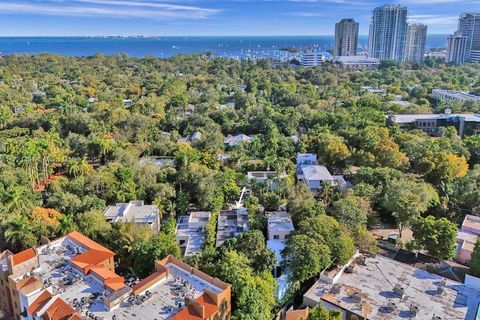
<point>252,294</point>
<point>438,236</point>
<point>407,200</point>
<point>475,261</point>
<point>19,233</point>
<point>321,313</point>
<point>349,212</point>
<point>306,257</point>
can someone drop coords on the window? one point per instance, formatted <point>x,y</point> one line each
<point>276,237</point>
<point>286,237</point>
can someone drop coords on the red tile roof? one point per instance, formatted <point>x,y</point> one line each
<point>23,256</point>
<point>189,313</point>
<point>40,302</point>
<point>90,258</point>
<point>87,242</point>
<point>59,310</point>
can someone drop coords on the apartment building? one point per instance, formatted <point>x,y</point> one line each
<point>416,40</point>
<point>466,124</point>
<point>73,278</point>
<point>388,33</point>
<point>346,38</point>
<point>453,96</point>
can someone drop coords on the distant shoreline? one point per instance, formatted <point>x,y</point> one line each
<point>283,48</point>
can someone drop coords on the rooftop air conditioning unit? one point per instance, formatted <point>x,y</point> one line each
<point>392,306</point>
<point>356,298</point>
<point>440,290</point>
<point>414,309</point>
<point>399,290</point>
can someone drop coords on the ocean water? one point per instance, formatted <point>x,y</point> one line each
<point>235,47</point>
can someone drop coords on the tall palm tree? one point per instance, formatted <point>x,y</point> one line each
<point>15,198</point>
<point>66,225</point>
<point>19,232</point>
<point>74,168</point>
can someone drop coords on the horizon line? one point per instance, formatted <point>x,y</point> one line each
<point>184,36</point>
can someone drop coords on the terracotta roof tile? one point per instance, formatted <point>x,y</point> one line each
<point>39,303</point>
<point>189,314</point>
<point>87,242</point>
<point>89,258</point>
<point>23,256</point>
<point>59,310</point>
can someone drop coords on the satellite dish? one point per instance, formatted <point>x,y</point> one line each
<point>448,111</point>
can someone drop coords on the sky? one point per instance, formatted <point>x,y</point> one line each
<point>211,17</point>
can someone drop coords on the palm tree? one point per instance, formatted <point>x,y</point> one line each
<point>74,168</point>
<point>15,198</point>
<point>86,168</point>
<point>19,232</point>
<point>66,225</point>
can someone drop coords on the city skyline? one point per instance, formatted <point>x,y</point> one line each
<point>212,17</point>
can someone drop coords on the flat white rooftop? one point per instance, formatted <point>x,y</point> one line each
<point>280,221</point>
<point>410,118</point>
<point>369,288</point>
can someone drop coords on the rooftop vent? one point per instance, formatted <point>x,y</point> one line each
<point>392,306</point>
<point>435,317</point>
<point>399,290</point>
<point>335,289</point>
<point>414,309</point>
<point>440,290</point>
<point>356,298</point>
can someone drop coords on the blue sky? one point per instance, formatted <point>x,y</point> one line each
<point>210,17</point>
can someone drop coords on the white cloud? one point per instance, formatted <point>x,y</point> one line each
<point>114,8</point>
<point>431,19</point>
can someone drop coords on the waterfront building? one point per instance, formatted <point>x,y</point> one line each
<point>346,38</point>
<point>469,26</point>
<point>416,40</point>
<point>388,33</point>
<point>457,48</point>
<point>311,58</point>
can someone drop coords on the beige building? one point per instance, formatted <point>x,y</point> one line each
<point>346,38</point>
<point>73,278</point>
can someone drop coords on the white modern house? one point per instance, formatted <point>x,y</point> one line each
<point>232,141</point>
<point>315,175</point>
<point>190,232</point>
<point>134,212</point>
<point>279,227</point>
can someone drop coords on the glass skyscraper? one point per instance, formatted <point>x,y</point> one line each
<point>388,33</point>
